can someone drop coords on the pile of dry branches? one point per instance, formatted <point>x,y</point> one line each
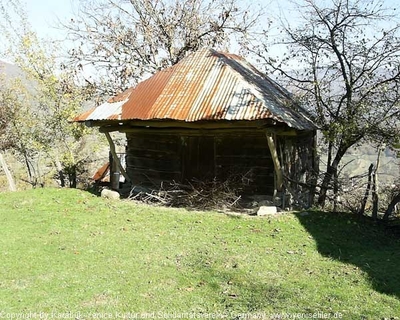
<point>195,194</point>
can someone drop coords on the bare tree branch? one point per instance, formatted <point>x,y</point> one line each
<point>118,42</point>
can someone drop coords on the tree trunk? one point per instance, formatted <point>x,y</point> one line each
<point>391,206</point>
<point>375,195</point>
<point>39,177</point>
<point>331,172</point>
<point>60,172</point>
<point>367,190</point>
<point>32,180</point>
<point>10,179</point>
<point>72,177</point>
<point>335,191</point>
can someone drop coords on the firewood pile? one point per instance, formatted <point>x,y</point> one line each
<point>196,194</point>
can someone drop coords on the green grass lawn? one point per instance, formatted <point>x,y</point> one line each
<point>65,250</point>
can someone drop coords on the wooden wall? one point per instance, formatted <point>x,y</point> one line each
<point>153,157</point>
<point>299,165</point>
<point>247,157</point>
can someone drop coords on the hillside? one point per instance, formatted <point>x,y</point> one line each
<point>360,158</point>
<point>65,250</point>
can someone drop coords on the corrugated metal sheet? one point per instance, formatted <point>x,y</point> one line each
<point>206,85</point>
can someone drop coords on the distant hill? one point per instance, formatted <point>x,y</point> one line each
<point>358,159</point>
<point>9,70</point>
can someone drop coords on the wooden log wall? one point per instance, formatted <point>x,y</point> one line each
<point>153,157</point>
<point>247,157</point>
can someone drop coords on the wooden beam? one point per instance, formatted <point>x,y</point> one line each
<point>114,178</point>
<point>282,131</point>
<point>275,159</point>
<point>109,126</point>
<point>190,132</point>
<point>199,131</point>
<point>115,157</point>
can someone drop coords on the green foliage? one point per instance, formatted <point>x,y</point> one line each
<point>21,128</point>
<point>44,99</point>
<point>67,250</point>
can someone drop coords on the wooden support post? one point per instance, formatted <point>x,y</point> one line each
<point>11,183</point>
<point>275,159</point>
<point>114,173</point>
<point>115,157</point>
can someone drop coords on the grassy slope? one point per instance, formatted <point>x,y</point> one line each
<point>66,250</point>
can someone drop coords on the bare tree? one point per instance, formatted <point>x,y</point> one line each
<point>343,59</point>
<point>118,42</point>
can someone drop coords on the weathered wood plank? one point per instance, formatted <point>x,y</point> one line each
<point>153,164</point>
<point>245,161</point>
<point>146,176</point>
<point>198,158</point>
<point>155,154</point>
<point>168,144</point>
<point>109,126</point>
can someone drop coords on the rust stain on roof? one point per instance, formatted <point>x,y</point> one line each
<point>206,85</point>
<point>121,96</point>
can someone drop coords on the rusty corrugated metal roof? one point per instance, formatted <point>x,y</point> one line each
<point>206,85</point>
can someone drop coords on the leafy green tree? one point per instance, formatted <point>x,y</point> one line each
<point>6,114</point>
<point>51,97</point>
<point>19,127</point>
